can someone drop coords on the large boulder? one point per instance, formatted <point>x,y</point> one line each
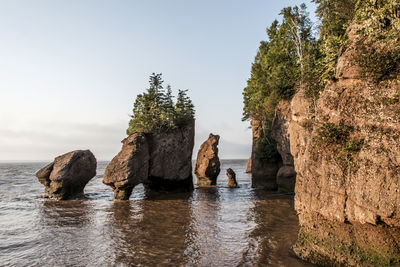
<point>207,164</point>
<point>68,174</point>
<point>286,179</point>
<point>129,168</point>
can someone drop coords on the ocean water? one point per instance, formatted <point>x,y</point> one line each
<point>215,226</point>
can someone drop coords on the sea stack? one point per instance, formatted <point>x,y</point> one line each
<point>160,161</point>
<point>231,178</point>
<point>129,168</point>
<point>207,164</point>
<point>248,166</point>
<point>68,174</point>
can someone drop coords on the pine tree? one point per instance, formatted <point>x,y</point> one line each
<point>154,111</point>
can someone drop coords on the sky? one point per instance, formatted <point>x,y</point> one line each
<point>70,69</point>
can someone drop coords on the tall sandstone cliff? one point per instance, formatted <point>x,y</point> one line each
<point>347,158</point>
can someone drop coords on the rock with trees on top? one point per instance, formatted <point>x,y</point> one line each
<point>158,150</point>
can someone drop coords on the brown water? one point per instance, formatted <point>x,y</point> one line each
<point>208,227</point>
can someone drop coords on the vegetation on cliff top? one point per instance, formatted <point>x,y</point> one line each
<point>293,57</point>
<point>155,111</point>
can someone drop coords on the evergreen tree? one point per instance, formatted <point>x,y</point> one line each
<point>184,109</point>
<point>154,111</point>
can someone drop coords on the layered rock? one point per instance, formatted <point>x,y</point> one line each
<point>207,166</point>
<point>286,175</point>
<point>263,174</point>
<point>231,178</point>
<point>129,168</point>
<point>160,161</point>
<point>347,160</point>
<point>67,176</point>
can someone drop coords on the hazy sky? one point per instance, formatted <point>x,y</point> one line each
<point>70,70</point>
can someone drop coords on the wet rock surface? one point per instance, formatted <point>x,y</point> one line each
<point>67,176</point>
<point>208,165</point>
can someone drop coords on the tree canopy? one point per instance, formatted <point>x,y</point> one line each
<point>155,111</point>
<point>293,57</point>
<point>279,64</point>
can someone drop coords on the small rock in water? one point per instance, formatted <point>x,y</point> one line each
<point>231,178</point>
<point>68,174</point>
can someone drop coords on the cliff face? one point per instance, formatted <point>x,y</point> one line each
<point>263,175</point>
<point>279,175</point>
<point>347,159</point>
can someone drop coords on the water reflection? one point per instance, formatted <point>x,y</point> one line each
<point>274,233</point>
<point>67,233</point>
<point>214,226</point>
<point>151,231</point>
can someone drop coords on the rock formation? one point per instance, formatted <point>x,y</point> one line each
<point>231,178</point>
<point>170,162</point>
<point>263,175</point>
<point>161,161</point>
<point>248,167</point>
<point>286,175</point>
<point>129,168</point>
<point>68,174</point>
<point>207,163</point>
<point>347,159</point>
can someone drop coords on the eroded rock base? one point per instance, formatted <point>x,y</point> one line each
<point>264,176</point>
<point>160,184</point>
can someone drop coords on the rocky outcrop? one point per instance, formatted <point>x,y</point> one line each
<point>160,161</point>
<point>231,178</point>
<point>170,162</point>
<point>248,166</point>
<point>207,164</point>
<point>263,174</point>
<point>129,168</point>
<point>347,159</point>
<point>286,175</point>
<point>68,174</point>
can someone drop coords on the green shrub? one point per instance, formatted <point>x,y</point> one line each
<point>337,138</point>
<point>332,134</point>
